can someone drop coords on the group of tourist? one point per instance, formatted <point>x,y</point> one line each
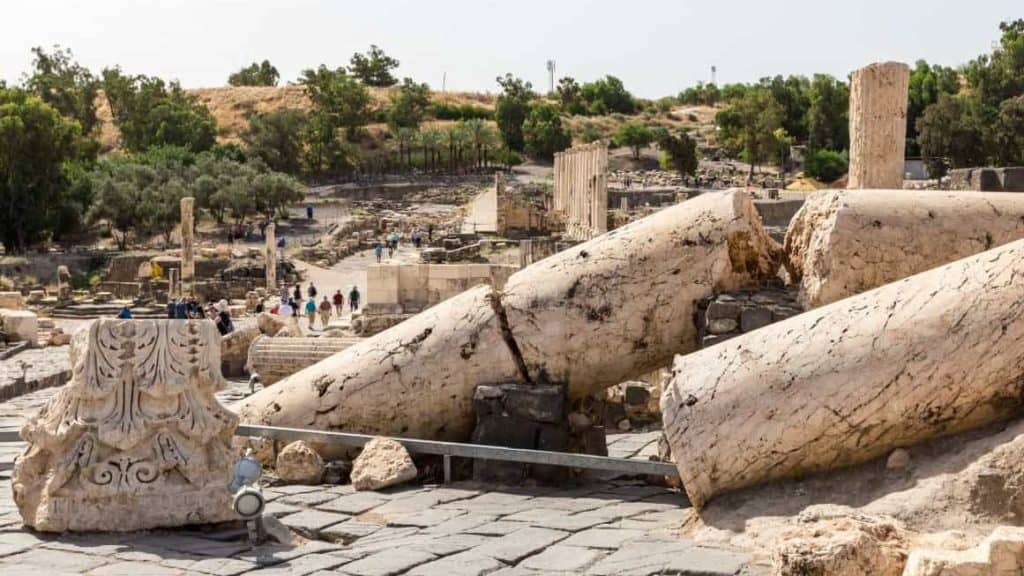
<point>390,242</point>
<point>292,304</point>
<point>189,309</point>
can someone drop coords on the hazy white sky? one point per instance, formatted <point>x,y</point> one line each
<point>656,47</point>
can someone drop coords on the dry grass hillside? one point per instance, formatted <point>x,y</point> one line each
<point>231,107</point>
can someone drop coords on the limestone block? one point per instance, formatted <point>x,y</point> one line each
<point>415,379</point>
<point>299,464</point>
<point>20,325</point>
<point>841,547</point>
<point>136,440</point>
<point>269,324</point>
<point>36,296</point>
<point>382,463</point>
<point>11,300</point>
<point>842,243</point>
<point>931,355</point>
<point>621,305</point>
<point>878,125</point>
<point>1000,554</point>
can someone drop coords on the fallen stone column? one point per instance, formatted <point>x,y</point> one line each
<point>843,243</point>
<point>590,317</point>
<point>930,355</point>
<point>137,439</point>
<point>415,379</point>
<point>277,358</point>
<point>621,305</point>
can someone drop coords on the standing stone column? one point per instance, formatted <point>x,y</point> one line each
<point>878,125</point>
<point>173,288</point>
<point>188,262</point>
<point>271,259</point>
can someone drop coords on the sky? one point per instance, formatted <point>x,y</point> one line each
<point>657,47</point>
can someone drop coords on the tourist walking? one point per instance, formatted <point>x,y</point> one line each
<point>339,303</point>
<point>284,292</point>
<point>171,307</point>
<point>353,299</point>
<point>378,250</point>
<point>286,309</point>
<point>325,312</point>
<point>125,313</point>
<point>223,318</point>
<point>309,211</point>
<point>311,291</point>
<point>311,312</point>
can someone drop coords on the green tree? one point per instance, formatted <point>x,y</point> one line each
<point>262,74</point>
<point>791,94</point>
<point>339,100</point>
<point>137,199</point>
<point>150,112</point>
<point>480,138</point>
<point>635,135</point>
<point>925,86</point>
<point>511,109</point>
<point>38,150</point>
<point>1000,75</point>
<point>276,138</point>
<point>570,95</point>
<point>828,124</point>
<point>374,68</point>
<point>702,94</point>
<point>949,131</point>
<point>607,95</point>
<point>748,127</point>
<point>408,105</point>
<point>680,151</point>
<point>543,132</point>
<point>1009,135</point>
<point>64,84</point>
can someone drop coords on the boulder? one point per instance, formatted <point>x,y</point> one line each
<point>234,350</point>
<point>382,463</point>
<point>297,463</point>
<point>841,547</point>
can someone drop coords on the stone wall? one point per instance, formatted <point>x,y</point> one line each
<point>404,288</point>
<point>730,314</point>
<point>988,179</point>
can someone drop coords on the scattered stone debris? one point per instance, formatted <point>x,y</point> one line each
<point>383,462</point>
<point>297,463</point>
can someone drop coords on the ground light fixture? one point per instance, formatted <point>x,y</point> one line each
<point>248,498</point>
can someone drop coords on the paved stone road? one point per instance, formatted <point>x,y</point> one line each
<point>601,527</point>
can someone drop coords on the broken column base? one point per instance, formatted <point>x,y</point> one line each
<point>533,417</point>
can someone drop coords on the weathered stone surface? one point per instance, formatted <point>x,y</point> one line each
<point>382,463</point>
<point>841,547</point>
<point>1000,554</point>
<point>621,305</point>
<point>136,440</point>
<point>878,125</point>
<point>928,356</point>
<point>416,379</point>
<point>300,464</point>
<point>846,242</point>
<point>20,325</point>
<point>269,324</point>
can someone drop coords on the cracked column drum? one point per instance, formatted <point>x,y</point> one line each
<point>621,304</point>
<point>843,243</point>
<point>415,379</point>
<point>933,354</point>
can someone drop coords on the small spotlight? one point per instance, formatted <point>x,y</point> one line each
<point>249,503</point>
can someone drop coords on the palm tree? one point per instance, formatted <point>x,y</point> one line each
<point>405,137</point>
<point>480,137</point>
<point>431,139</point>
<point>455,138</point>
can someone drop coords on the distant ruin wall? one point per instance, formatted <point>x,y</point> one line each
<point>403,288</point>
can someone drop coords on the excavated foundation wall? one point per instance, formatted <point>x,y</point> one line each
<point>930,355</point>
<point>590,317</point>
<point>843,243</point>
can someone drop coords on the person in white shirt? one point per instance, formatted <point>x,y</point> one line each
<point>285,310</point>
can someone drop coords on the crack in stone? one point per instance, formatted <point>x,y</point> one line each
<point>494,298</point>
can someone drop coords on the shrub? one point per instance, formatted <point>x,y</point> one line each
<point>826,165</point>
<point>446,111</point>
